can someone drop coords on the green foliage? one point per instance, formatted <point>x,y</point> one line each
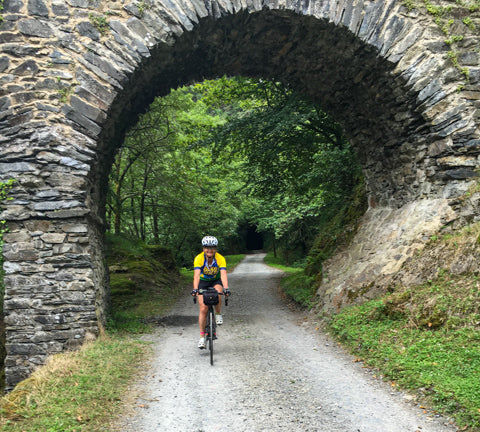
<point>445,17</point>
<point>300,288</point>
<point>337,227</point>
<point>409,4</point>
<point>142,7</point>
<point>99,22</point>
<point>66,92</point>
<point>279,262</point>
<point>174,193</point>
<point>275,134</point>
<point>423,337</point>
<point>213,156</point>
<point>469,23</point>
<point>144,282</point>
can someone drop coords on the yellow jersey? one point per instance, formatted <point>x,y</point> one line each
<point>212,271</point>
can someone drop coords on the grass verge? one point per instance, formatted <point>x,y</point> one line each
<point>424,339</point>
<point>296,285</point>
<point>75,391</point>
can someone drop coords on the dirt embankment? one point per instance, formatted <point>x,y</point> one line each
<point>406,246</point>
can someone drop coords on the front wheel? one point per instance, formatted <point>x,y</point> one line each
<point>210,339</point>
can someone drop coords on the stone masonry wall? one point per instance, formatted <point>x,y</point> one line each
<point>75,75</point>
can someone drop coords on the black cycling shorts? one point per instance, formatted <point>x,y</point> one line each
<point>204,284</point>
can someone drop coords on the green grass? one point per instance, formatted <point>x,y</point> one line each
<point>233,261</point>
<point>76,391</point>
<point>297,285</point>
<point>277,262</point>
<point>426,339</point>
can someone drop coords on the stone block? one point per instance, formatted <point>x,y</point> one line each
<point>108,67</point>
<point>10,267</point>
<point>457,161</point>
<point>89,111</point>
<point>6,37</point>
<point>17,303</point>
<point>4,63</point>
<point>67,214</point>
<point>137,27</point>
<point>38,8</point>
<point>27,68</point>
<point>87,125</point>
<point>19,320</point>
<point>22,255</point>
<point>38,225</point>
<point>66,248</point>
<point>53,237</point>
<point>42,336</point>
<point>60,8</point>
<point>72,163</point>
<point>12,6</point>
<point>51,319</point>
<point>460,174</point>
<point>75,228</point>
<point>33,27</point>
<point>87,29</point>
<point>24,97</point>
<point>57,205</point>
<point>24,349</point>
<point>14,237</point>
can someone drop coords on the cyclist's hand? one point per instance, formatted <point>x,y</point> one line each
<point>194,292</point>
<point>226,292</point>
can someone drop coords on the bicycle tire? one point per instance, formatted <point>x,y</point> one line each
<point>211,330</point>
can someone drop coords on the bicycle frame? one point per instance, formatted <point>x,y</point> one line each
<point>211,325</point>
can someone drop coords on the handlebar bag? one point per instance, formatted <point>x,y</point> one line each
<point>210,298</point>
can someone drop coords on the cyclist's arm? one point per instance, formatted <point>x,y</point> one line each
<point>196,278</point>
<point>224,278</point>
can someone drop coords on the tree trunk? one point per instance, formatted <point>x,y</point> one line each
<point>143,195</point>
<point>132,210</point>
<point>156,237</point>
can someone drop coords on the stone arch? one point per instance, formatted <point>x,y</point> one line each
<point>72,86</point>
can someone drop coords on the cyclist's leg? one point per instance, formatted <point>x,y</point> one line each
<point>218,308</point>
<point>219,287</point>
<point>202,315</point>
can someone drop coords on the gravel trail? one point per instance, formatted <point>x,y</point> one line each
<point>273,372</point>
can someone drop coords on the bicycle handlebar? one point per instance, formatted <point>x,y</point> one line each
<point>201,293</point>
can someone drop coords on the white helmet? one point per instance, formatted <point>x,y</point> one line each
<point>209,241</point>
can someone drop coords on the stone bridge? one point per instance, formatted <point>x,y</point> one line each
<point>75,74</point>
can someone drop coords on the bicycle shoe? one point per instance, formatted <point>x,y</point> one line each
<point>201,343</point>
<point>219,319</point>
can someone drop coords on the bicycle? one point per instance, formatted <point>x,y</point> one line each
<point>210,299</point>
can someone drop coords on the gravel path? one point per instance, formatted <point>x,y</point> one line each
<point>273,372</point>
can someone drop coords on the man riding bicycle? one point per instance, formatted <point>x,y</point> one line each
<point>209,272</point>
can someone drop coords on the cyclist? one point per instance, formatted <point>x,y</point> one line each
<point>210,271</point>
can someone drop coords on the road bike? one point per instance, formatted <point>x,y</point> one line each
<point>210,299</point>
